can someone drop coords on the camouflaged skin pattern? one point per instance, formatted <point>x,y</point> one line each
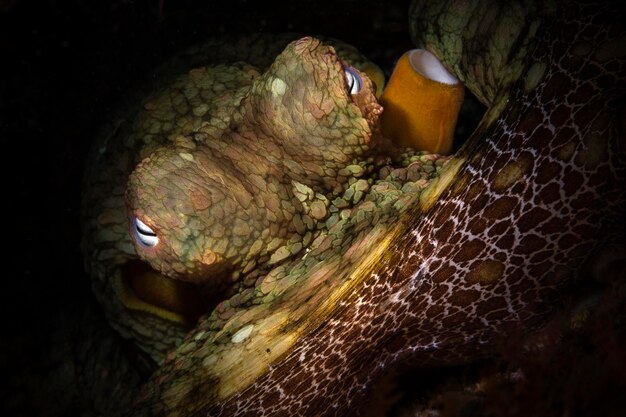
<point>485,43</point>
<point>541,190</point>
<point>217,202</point>
<point>198,88</point>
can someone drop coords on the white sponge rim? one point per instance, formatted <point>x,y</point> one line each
<point>427,64</point>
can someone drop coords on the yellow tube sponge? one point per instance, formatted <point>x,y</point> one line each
<point>421,103</point>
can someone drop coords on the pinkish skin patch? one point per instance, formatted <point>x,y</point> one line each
<point>363,245</point>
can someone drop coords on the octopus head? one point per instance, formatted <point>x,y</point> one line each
<point>184,206</point>
<point>315,106</point>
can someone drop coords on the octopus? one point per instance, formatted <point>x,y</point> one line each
<point>221,204</point>
<point>268,251</point>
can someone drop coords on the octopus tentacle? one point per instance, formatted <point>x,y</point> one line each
<point>530,200</point>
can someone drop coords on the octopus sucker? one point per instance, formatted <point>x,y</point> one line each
<point>365,256</point>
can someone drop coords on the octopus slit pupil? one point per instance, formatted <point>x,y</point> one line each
<point>145,233</point>
<point>353,79</point>
<point>143,228</point>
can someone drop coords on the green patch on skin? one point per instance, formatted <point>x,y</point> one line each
<point>535,75</point>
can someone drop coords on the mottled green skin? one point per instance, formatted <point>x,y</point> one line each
<point>290,184</point>
<point>218,202</point>
<point>195,110</point>
<point>485,43</point>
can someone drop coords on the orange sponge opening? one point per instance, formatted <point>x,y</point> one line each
<point>421,103</point>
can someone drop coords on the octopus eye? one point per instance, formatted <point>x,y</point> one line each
<point>144,234</point>
<point>353,79</point>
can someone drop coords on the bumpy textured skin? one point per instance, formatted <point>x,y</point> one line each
<point>534,195</point>
<point>200,88</point>
<point>539,187</point>
<point>485,43</point>
<point>217,202</point>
